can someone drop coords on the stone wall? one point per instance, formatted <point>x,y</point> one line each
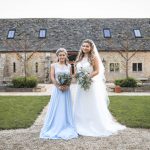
<point>2,60</point>
<point>114,57</point>
<point>44,60</point>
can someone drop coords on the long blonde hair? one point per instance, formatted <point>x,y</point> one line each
<point>91,54</point>
<point>65,51</point>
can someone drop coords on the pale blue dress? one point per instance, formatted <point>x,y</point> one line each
<point>59,122</point>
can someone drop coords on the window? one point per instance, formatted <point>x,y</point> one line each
<point>137,67</point>
<point>11,34</point>
<point>14,67</point>
<point>137,33</point>
<point>114,67</point>
<point>36,67</point>
<point>42,33</point>
<point>106,33</point>
<point>0,63</point>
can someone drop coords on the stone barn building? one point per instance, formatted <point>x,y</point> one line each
<point>27,46</point>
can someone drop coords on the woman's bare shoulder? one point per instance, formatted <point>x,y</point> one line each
<point>53,64</point>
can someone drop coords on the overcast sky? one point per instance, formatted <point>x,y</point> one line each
<point>74,8</point>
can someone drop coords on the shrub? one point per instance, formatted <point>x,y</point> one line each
<point>31,82</point>
<point>22,82</point>
<point>18,82</point>
<point>127,82</point>
<point>118,82</point>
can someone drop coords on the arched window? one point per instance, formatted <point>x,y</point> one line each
<point>14,67</point>
<point>36,67</point>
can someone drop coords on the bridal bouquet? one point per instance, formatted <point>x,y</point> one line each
<point>64,79</point>
<point>83,79</point>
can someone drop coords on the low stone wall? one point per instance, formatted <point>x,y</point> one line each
<point>11,89</point>
<point>136,89</point>
<point>145,88</point>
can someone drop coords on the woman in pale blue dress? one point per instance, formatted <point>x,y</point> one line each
<point>59,123</point>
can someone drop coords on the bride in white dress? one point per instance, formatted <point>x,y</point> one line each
<point>91,114</point>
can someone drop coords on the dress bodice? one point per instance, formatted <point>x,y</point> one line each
<point>85,64</point>
<point>61,69</point>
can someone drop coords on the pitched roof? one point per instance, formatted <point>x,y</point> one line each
<point>69,33</point>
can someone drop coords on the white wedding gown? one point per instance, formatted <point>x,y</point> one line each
<point>91,114</point>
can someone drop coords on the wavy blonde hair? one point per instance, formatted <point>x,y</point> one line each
<point>65,51</point>
<point>91,54</point>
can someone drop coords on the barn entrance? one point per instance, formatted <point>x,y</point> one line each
<point>72,57</point>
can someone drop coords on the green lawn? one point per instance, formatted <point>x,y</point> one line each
<point>20,111</point>
<point>133,111</point>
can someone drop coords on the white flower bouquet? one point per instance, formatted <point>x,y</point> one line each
<point>83,79</point>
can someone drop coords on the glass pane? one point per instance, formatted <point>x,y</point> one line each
<point>1,62</point>
<point>42,33</point>
<point>139,66</point>
<point>36,67</point>
<point>14,67</point>
<point>117,67</point>
<point>134,66</point>
<point>11,34</point>
<point>111,66</point>
<point>137,33</point>
<point>107,33</point>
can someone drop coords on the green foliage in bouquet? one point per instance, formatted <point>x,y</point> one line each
<point>83,79</point>
<point>64,79</point>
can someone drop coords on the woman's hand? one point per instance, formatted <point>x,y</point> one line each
<point>90,75</point>
<point>63,87</point>
<point>73,76</point>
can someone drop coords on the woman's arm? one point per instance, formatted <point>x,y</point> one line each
<point>74,70</point>
<point>52,76</point>
<point>95,67</point>
<point>70,70</point>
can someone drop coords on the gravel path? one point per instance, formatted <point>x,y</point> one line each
<point>28,139</point>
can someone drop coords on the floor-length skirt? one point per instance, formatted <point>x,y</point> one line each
<point>91,113</point>
<point>59,123</point>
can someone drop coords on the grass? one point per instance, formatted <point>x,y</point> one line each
<point>133,111</point>
<point>20,111</point>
